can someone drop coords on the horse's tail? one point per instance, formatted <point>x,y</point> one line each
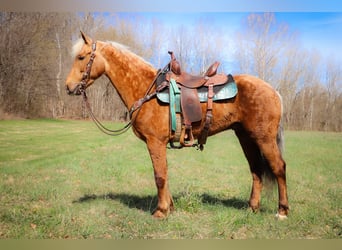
<point>280,134</point>
<point>269,177</point>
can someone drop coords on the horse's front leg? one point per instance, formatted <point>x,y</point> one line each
<point>157,150</point>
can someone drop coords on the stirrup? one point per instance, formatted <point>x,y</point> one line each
<point>187,138</point>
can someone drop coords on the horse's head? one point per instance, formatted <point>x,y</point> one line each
<point>87,67</point>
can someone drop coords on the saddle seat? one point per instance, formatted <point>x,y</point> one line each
<point>190,81</point>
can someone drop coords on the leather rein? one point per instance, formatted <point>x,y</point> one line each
<point>135,107</point>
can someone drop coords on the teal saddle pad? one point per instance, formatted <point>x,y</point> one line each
<point>222,92</point>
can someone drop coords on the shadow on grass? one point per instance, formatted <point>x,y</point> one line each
<point>231,202</point>
<point>149,203</point>
<point>145,203</point>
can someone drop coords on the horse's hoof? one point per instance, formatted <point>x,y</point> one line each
<point>280,216</point>
<point>254,208</point>
<point>159,214</point>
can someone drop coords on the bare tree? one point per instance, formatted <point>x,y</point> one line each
<point>31,81</point>
<point>333,79</point>
<point>288,78</point>
<point>260,45</point>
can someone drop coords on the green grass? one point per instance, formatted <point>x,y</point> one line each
<point>66,180</point>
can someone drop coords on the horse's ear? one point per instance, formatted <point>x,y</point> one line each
<point>85,38</point>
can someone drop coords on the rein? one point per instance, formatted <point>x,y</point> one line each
<point>135,107</point>
<point>99,124</point>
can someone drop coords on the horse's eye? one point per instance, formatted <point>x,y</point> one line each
<point>81,57</point>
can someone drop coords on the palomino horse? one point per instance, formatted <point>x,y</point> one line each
<point>254,114</point>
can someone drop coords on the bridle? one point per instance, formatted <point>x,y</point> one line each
<point>86,76</point>
<point>81,88</point>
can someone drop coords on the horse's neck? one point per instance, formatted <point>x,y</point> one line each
<point>130,74</point>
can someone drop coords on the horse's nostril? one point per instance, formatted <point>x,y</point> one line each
<point>68,90</point>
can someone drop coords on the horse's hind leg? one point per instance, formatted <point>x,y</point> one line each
<point>157,152</point>
<point>272,153</point>
<point>252,153</point>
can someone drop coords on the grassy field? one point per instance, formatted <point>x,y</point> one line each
<point>66,180</point>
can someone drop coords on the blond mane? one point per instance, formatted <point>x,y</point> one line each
<point>76,48</point>
<point>126,50</point>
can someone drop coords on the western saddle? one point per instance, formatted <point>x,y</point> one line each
<point>190,104</point>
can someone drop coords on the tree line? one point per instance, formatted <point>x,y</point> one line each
<point>35,59</point>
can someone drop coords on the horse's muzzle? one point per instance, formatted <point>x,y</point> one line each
<point>75,91</point>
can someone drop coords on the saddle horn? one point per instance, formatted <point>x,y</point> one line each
<point>174,64</point>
